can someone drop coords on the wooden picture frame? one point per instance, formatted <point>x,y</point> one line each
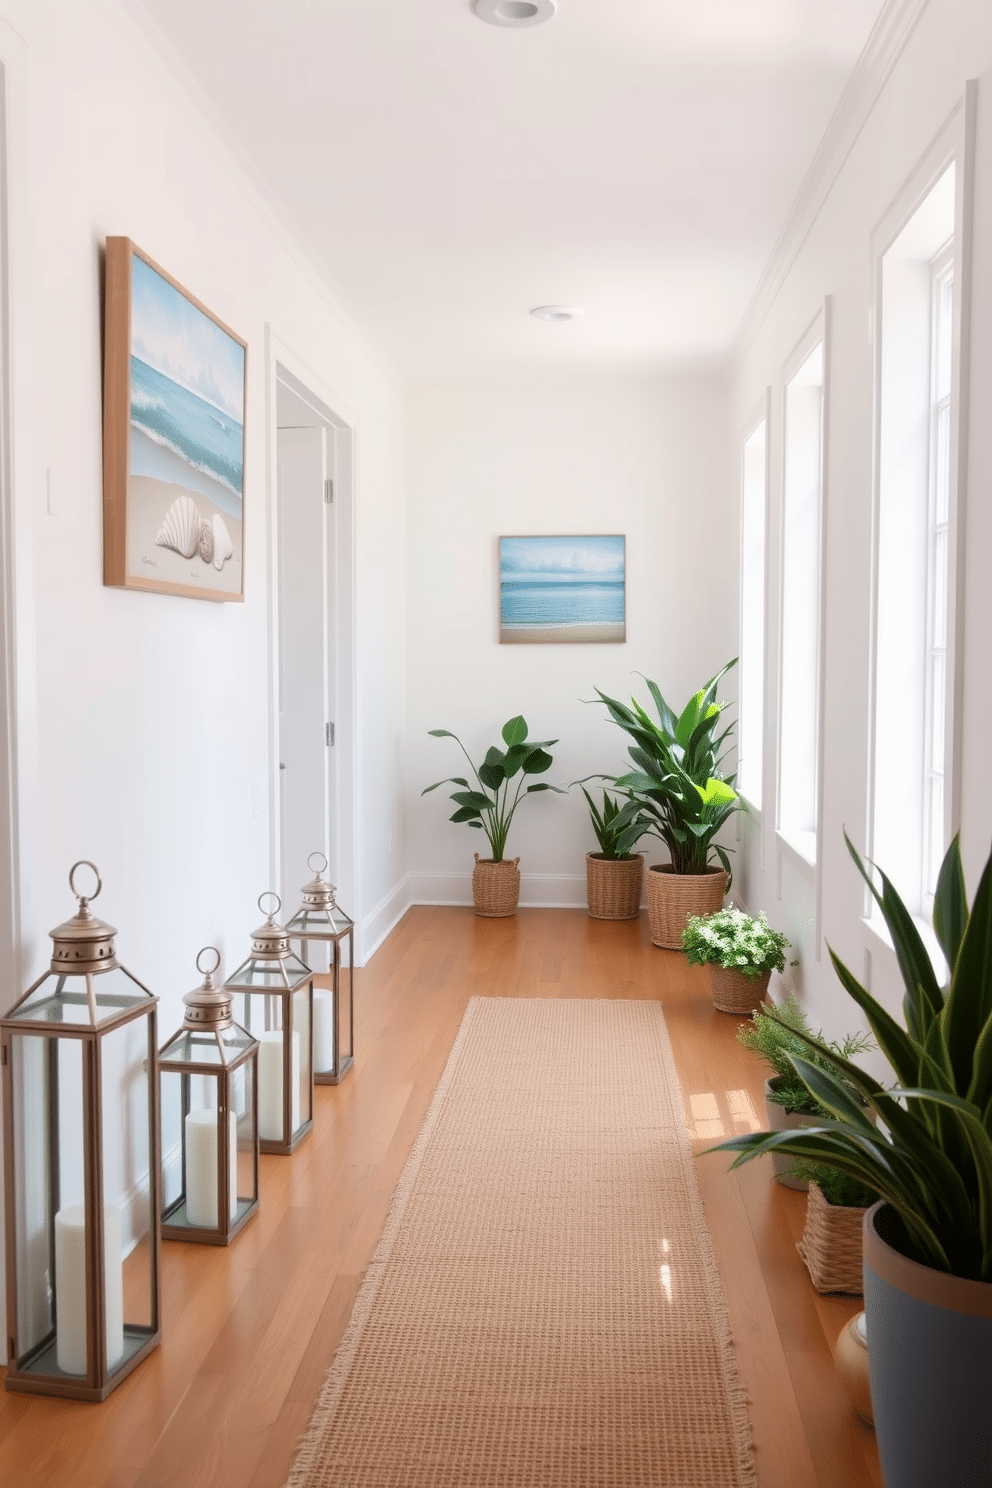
<point>175,380</point>
<point>561,590</point>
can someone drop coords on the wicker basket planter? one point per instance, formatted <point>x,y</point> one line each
<point>831,1244</point>
<point>673,897</point>
<point>495,887</point>
<point>733,992</point>
<point>613,886</point>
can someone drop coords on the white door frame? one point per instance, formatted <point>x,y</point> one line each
<point>282,365</point>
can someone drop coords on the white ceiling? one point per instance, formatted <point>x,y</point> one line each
<point>635,157</point>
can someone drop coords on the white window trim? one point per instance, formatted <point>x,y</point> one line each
<point>804,850</point>
<point>762,412</point>
<point>954,142</point>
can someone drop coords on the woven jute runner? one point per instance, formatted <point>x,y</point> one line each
<point>543,1310</point>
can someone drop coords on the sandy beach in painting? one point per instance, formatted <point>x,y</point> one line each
<point>148,501</point>
<point>519,635</point>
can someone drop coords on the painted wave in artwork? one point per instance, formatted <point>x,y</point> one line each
<point>186,427</point>
<point>562,604</point>
<point>555,581</point>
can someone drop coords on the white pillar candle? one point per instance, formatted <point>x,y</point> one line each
<point>70,1287</point>
<point>201,1167</point>
<point>270,1085</point>
<point>323,1030</point>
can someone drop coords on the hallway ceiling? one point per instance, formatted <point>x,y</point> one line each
<point>638,158</point>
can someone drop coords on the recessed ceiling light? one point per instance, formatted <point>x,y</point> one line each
<point>515,12</point>
<point>557,313</point>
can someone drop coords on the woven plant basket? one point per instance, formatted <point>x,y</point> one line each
<point>613,886</point>
<point>733,992</point>
<point>831,1244</point>
<point>673,897</point>
<point>495,887</point>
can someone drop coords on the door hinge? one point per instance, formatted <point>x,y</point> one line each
<point>328,491</point>
<point>329,733</point>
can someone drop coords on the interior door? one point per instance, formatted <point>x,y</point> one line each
<point>305,654</point>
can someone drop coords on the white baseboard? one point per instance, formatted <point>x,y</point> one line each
<point>384,918</point>
<point>537,890</point>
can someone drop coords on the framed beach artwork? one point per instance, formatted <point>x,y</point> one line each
<point>173,436</point>
<point>562,589</point>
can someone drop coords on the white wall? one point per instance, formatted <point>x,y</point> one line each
<point>647,460</point>
<point>953,42</point>
<point>141,720</point>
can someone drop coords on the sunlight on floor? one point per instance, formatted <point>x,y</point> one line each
<point>709,1121</point>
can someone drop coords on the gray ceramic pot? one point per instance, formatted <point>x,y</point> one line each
<point>930,1352</point>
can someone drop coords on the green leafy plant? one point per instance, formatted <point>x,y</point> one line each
<point>678,787</point>
<point>930,1157</point>
<point>605,825</point>
<point>837,1188</point>
<point>491,806</point>
<point>734,940</point>
<point>776,1033</point>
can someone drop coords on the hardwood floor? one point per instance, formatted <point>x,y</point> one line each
<point>250,1331</point>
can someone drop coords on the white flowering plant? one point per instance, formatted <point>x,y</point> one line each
<point>736,941</point>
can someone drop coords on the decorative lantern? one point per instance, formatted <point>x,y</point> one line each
<point>320,918</point>
<point>273,999</point>
<point>81,1156</point>
<point>209,1106</point>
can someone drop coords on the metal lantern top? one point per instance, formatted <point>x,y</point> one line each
<point>272,966</point>
<point>209,1034</point>
<point>319,916</point>
<point>83,948</point>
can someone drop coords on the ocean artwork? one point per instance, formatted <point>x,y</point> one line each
<point>176,526</point>
<point>562,589</point>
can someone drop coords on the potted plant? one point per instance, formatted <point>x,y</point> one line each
<point>490,805</point>
<point>776,1033</point>
<point>836,1204</point>
<point>928,1241</point>
<point>614,877</point>
<point>679,789</point>
<point>741,953</point>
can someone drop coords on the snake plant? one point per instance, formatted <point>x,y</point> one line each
<point>491,806</point>
<point>678,787</point>
<point>930,1157</point>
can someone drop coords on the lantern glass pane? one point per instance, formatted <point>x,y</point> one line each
<point>301,1031</point>
<point>130,1221</point>
<point>34,1080</point>
<point>325,1033</point>
<point>171,1118</point>
<point>243,1106</point>
<point>192,1048</point>
<point>264,976</point>
<point>64,999</point>
<point>318,923</point>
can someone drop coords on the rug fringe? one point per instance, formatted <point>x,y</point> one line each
<point>737,1397</point>
<point>337,1374</point>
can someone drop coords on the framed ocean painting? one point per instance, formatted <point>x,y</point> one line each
<point>562,589</point>
<point>173,436</point>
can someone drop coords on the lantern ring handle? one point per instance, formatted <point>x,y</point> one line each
<point>85,863</point>
<point>270,913</point>
<point>311,865</point>
<point>203,970</point>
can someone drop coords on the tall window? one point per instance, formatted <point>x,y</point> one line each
<point>800,677</point>
<point>752,663</point>
<point>914,576</point>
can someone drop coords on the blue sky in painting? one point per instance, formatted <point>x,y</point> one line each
<point>171,335</point>
<point>557,560</point>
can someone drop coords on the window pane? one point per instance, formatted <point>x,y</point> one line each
<point>752,664</point>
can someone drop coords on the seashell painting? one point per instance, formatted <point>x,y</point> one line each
<point>223,546</point>
<point>186,533</point>
<point>181,529</point>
